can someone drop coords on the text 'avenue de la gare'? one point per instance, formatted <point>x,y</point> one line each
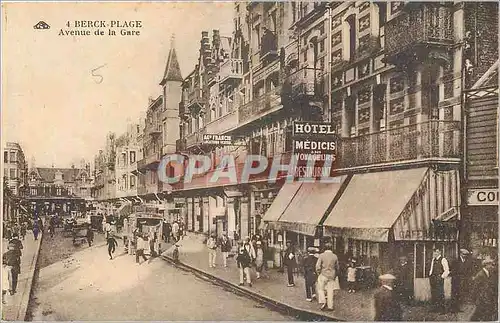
<point>101,28</point>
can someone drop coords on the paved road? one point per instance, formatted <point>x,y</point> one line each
<point>89,286</point>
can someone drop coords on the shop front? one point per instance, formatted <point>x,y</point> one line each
<point>386,215</point>
<point>481,221</point>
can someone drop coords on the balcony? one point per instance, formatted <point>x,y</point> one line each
<point>418,29</point>
<point>150,162</point>
<point>154,131</point>
<point>195,100</point>
<point>231,70</point>
<point>260,106</point>
<point>183,112</point>
<point>195,138</point>
<point>432,140</point>
<point>223,124</point>
<point>261,71</point>
<point>269,46</point>
<point>304,83</point>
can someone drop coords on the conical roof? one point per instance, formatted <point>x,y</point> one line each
<point>172,69</point>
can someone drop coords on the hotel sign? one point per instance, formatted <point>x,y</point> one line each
<point>219,140</point>
<point>315,138</point>
<point>483,196</point>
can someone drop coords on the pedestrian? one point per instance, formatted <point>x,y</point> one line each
<point>259,260</point>
<point>310,273</point>
<point>351,276</point>
<point>167,231</point>
<point>24,227</point>
<point>461,271</point>
<point>438,272</point>
<point>404,281</point>
<point>139,252</point>
<point>5,280</point>
<point>16,243</point>
<point>175,231</point>
<point>182,232</point>
<point>12,260</point>
<point>90,235</point>
<point>112,244</point>
<point>212,250</point>
<point>327,269</point>
<point>152,240</point>
<point>36,230</point>
<point>387,306</point>
<point>243,261</point>
<point>485,293</point>
<point>290,262</point>
<point>225,247</point>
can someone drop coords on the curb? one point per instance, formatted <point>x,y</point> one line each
<point>28,291</point>
<point>301,314</point>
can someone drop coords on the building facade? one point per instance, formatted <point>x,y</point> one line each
<point>15,172</point>
<point>127,151</point>
<point>58,190</point>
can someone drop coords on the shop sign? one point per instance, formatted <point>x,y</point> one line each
<point>482,196</point>
<point>219,140</point>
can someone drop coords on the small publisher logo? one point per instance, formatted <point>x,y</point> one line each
<point>41,25</point>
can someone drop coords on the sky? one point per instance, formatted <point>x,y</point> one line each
<point>53,105</point>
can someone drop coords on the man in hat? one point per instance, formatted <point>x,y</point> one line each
<point>486,292</point>
<point>327,269</point>
<point>461,270</point>
<point>404,280</point>
<point>386,303</point>
<point>438,272</point>
<point>12,260</point>
<point>212,250</point>
<point>310,273</point>
<point>259,259</point>
<point>225,247</point>
<point>290,262</point>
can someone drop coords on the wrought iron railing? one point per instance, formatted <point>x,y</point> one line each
<point>231,68</point>
<point>422,23</point>
<point>427,140</point>
<point>194,138</point>
<point>305,82</point>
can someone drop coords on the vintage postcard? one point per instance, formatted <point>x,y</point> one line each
<point>250,161</point>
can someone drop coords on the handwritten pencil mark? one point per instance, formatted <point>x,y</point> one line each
<point>99,76</point>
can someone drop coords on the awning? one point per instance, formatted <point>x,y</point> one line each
<point>304,213</point>
<point>280,203</point>
<point>372,203</point>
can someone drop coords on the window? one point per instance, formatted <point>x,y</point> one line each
<point>5,157</point>
<point>322,28</point>
<point>124,159</point>
<point>33,191</point>
<point>13,173</point>
<point>125,182</point>
<point>13,157</point>
<point>322,46</point>
<point>6,173</point>
<point>58,191</point>
<point>132,181</point>
<point>132,157</point>
<point>351,20</point>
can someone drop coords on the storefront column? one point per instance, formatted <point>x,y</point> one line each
<point>197,214</point>
<point>244,212</point>
<point>231,217</point>
<point>189,210</point>
<point>205,214</point>
<point>252,211</point>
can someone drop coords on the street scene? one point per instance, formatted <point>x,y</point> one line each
<point>250,161</point>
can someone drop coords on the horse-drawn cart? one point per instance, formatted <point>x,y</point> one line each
<point>80,233</point>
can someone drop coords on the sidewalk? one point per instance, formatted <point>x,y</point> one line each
<point>17,304</point>
<point>348,307</point>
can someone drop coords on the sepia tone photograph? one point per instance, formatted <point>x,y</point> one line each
<point>250,161</point>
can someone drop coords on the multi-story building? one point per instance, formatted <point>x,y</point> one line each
<point>59,190</point>
<point>104,171</point>
<point>15,172</point>
<point>127,151</point>
<point>15,167</point>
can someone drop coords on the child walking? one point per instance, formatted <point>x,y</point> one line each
<point>351,277</point>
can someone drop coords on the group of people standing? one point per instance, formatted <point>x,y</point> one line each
<point>174,231</point>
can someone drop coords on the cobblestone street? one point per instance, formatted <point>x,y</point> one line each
<point>87,285</point>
